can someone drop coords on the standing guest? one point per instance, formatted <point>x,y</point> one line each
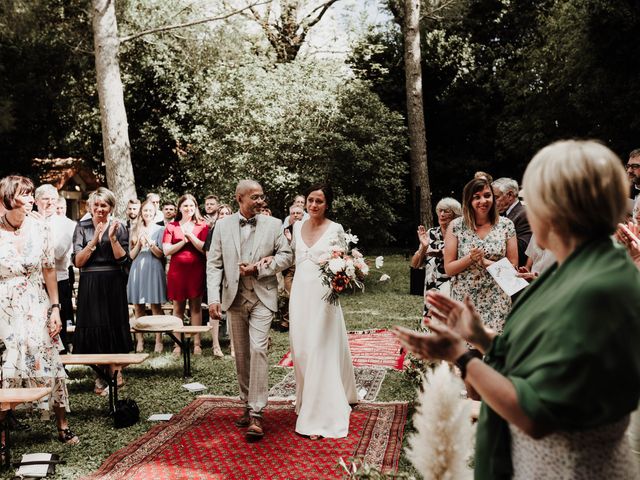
<point>430,254</point>
<point>560,382</point>
<point>133,210</point>
<point>296,214</point>
<point>169,211</point>
<point>633,171</point>
<point>249,293</point>
<point>538,260</point>
<point>155,199</point>
<point>29,307</point>
<point>266,211</point>
<point>505,192</point>
<point>183,239</point>
<point>147,279</point>
<point>61,207</point>
<point>300,202</point>
<point>472,243</point>
<point>211,206</point>
<point>62,228</point>
<point>100,249</point>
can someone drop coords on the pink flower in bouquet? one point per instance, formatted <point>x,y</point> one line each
<point>356,253</point>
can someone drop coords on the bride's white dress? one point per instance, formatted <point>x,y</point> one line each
<point>325,382</point>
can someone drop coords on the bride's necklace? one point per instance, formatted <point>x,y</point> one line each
<point>5,220</point>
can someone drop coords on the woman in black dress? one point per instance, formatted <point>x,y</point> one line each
<point>100,248</point>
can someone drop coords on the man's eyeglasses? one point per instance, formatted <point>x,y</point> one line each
<point>632,165</point>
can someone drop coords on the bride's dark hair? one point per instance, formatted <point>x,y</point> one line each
<point>324,188</point>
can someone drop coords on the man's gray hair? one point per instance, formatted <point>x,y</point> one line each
<point>44,189</point>
<point>246,184</point>
<point>506,185</point>
<point>634,153</point>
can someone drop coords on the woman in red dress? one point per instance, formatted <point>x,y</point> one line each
<point>183,240</point>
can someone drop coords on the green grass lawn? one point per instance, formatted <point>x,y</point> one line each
<point>156,384</point>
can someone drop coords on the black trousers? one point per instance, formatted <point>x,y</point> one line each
<point>66,309</point>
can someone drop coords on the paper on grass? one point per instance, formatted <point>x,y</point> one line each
<point>505,276</point>
<point>160,417</point>
<point>194,387</point>
<point>38,471</point>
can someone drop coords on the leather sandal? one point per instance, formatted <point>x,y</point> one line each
<point>66,436</point>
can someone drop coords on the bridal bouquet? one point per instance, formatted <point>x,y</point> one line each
<point>343,268</point>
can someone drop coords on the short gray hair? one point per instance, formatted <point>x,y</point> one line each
<point>104,194</point>
<point>505,185</point>
<point>244,185</point>
<point>448,203</point>
<point>579,186</point>
<point>44,189</point>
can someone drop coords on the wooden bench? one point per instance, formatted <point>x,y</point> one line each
<point>12,397</point>
<point>172,326</point>
<point>97,361</point>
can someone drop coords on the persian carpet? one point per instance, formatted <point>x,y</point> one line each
<point>201,442</point>
<point>368,383</point>
<point>369,348</point>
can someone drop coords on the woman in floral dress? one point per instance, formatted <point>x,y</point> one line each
<point>30,315</point>
<point>473,242</point>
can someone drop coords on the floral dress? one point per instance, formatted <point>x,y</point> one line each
<point>434,274</point>
<point>31,358</point>
<point>490,301</point>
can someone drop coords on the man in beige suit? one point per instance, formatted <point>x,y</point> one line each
<point>249,292</point>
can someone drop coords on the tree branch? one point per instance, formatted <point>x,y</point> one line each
<point>432,12</point>
<point>166,28</point>
<point>323,9</point>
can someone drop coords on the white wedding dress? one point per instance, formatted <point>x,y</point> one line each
<point>325,382</point>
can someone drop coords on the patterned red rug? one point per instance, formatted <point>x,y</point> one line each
<point>370,348</point>
<point>201,442</point>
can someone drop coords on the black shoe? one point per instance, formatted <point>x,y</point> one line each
<point>244,420</point>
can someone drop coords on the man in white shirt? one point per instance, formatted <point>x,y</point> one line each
<point>155,199</point>
<point>62,229</point>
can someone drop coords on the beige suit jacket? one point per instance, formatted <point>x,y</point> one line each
<point>224,256</point>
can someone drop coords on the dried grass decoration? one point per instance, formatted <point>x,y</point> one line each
<point>441,446</point>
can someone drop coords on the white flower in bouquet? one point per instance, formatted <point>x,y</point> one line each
<point>364,268</point>
<point>350,238</point>
<point>379,262</point>
<point>350,270</point>
<point>355,253</point>
<point>384,278</point>
<point>324,258</point>
<point>336,265</point>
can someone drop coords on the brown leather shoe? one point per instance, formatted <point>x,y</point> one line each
<point>244,420</point>
<point>255,431</point>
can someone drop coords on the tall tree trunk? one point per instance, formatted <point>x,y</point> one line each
<point>420,189</point>
<point>113,116</point>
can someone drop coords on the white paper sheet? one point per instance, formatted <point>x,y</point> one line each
<point>194,387</point>
<point>39,471</point>
<point>160,417</point>
<point>505,276</point>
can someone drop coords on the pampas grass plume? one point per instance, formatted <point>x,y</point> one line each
<point>441,445</point>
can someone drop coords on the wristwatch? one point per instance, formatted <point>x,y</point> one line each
<point>462,361</point>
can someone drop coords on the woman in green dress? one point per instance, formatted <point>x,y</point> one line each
<point>559,383</point>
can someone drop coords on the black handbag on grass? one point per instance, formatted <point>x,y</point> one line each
<point>126,413</point>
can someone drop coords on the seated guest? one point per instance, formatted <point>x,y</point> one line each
<point>430,254</point>
<point>559,384</point>
<point>29,306</point>
<point>506,195</point>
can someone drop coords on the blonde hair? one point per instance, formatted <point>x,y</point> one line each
<point>579,186</point>
<point>139,223</point>
<point>103,194</point>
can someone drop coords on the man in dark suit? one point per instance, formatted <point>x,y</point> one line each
<point>633,171</point>
<point>505,191</point>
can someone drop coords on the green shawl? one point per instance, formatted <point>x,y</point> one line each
<point>571,348</point>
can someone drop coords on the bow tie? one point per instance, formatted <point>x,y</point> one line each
<point>251,221</point>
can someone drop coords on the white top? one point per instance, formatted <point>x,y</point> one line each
<point>62,229</point>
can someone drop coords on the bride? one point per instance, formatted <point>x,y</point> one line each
<point>325,382</point>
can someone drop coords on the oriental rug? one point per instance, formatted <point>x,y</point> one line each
<point>369,348</point>
<point>201,442</point>
<point>368,383</point>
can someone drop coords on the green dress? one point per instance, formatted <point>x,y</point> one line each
<point>571,348</point>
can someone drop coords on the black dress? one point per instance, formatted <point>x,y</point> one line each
<point>102,318</point>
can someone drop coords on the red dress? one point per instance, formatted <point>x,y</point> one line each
<point>185,278</point>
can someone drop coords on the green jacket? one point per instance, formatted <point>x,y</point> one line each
<point>571,348</point>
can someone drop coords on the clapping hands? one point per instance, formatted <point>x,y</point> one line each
<point>627,235</point>
<point>113,229</point>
